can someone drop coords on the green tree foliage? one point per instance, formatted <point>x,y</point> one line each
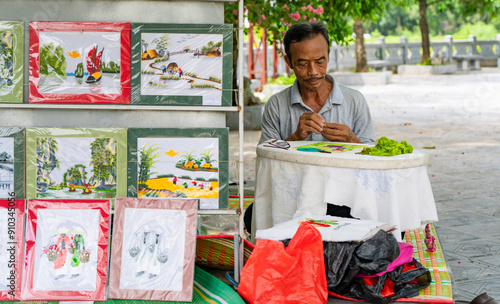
<point>210,45</point>
<point>75,174</point>
<point>112,67</point>
<point>441,16</point>
<point>149,155</point>
<point>161,44</point>
<point>79,70</point>
<point>52,61</point>
<point>207,156</point>
<point>277,16</point>
<point>188,156</point>
<point>103,159</point>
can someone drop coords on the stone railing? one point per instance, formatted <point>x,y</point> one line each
<point>404,52</point>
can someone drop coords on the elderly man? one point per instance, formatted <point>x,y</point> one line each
<point>315,107</point>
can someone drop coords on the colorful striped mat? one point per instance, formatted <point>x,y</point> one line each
<point>233,202</point>
<point>217,251</point>
<point>206,289</point>
<point>440,289</point>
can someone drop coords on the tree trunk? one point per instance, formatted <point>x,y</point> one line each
<point>424,29</point>
<point>361,63</point>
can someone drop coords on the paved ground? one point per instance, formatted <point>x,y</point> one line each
<point>460,115</point>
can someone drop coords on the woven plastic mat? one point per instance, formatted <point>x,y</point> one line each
<point>217,251</point>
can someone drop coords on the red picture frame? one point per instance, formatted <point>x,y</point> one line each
<point>97,239</point>
<point>79,92</point>
<point>12,261</point>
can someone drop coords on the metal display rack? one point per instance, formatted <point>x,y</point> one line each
<point>127,116</point>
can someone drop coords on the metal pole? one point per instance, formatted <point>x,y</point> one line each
<point>241,144</point>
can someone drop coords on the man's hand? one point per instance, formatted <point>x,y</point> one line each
<point>308,123</point>
<point>339,132</point>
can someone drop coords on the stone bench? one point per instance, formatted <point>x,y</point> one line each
<point>468,62</point>
<point>379,65</point>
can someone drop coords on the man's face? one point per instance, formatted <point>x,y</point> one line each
<point>309,60</point>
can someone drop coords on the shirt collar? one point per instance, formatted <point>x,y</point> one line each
<point>335,96</point>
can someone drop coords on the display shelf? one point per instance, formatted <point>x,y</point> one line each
<point>218,211</point>
<point>115,107</point>
<point>124,115</point>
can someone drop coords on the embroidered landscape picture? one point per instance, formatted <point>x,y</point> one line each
<point>328,147</point>
<point>66,249</point>
<point>76,167</point>
<point>179,168</point>
<point>181,64</point>
<point>6,166</point>
<point>79,62</point>
<point>6,62</point>
<point>153,249</point>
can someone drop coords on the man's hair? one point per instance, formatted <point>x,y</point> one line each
<point>302,31</point>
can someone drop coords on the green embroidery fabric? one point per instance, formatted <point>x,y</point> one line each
<point>387,147</point>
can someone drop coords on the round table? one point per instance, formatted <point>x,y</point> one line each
<point>394,189</point>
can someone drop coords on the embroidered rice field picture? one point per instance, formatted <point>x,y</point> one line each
<point>178,168</point>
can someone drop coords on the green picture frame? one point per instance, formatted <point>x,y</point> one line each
<point>158,139</point>
<point>79,146</point>
<point>17,134</point>
<point>12,63</point>
<point>182,64</point>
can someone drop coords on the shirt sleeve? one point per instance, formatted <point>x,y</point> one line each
<point>270,121</point>
<point>363,127</point>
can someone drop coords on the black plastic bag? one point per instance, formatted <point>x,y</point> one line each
<point>340,271</point>
<point>407,284</point>
<point>374,254</point>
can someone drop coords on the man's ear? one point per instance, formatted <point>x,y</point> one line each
<point>288,62</point>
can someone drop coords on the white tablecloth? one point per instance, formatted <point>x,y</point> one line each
<point>395,190</point>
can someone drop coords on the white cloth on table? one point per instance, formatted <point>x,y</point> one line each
<point>400,197</point>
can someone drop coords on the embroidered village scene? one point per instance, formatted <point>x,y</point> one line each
<point>76,167</point>
<point>328,147</point>
<point>80,62</point>
<point>181,64</point>
<point>178,168</point>
<point>6,166</point>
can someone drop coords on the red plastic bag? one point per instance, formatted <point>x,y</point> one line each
<point>296,274</point>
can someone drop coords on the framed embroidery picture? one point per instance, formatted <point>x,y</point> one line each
<point>12,163</point>
<point>11,248</point>
<point>76,163</point>
<point>79,62</point>
<point>11,61</point>
<point>180,164</point>
<point>182,64</point>
<point>154,244</point>
<point>66,250</point>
